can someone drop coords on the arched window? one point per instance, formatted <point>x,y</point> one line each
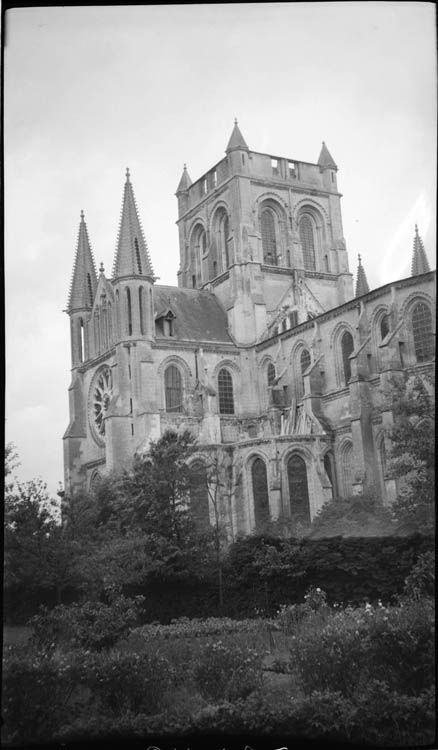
<point>347,470</point>
<point>260,493</point>
<point>347,346</point>
<point>307,242</point>
<point>96,333</point>
<point>95,481</point>
<point>140,309</point>
<point>199,508</point>
<point>269,236</point>
<point>128,311</point>
<point>173,389</point>
<point>271,373</point>
<point>298,489</point>
<point>422,332</point>
<point>137,255</point>
<point>384,326</point>
<point>225,388</point>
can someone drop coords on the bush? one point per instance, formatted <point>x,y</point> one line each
<point>91,625</point>
<point>225,672</point>
<point>39,694</point>
<point>128,682</point>
<point>421,580</point>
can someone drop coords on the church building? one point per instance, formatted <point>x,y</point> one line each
<point>279,367</point>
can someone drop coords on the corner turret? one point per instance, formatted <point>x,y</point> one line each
<point>361,279</point>
<point>81,297</point>
<point>420,263</point>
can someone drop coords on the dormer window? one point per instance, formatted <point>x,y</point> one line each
<point>274,166</point>
<point>292,170</point>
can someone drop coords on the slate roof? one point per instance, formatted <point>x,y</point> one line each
<point>198,314</point>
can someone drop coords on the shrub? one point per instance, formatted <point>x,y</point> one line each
<point>421,580</point>
<point>128,682</point>
<point>91,625</point>
<point>39,694</point>
<point>224,672</point>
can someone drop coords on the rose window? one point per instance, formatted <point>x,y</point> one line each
<point>103,389</point>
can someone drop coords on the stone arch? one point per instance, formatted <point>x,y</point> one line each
<point>329,463</point>
<point>272,223</point>
<point>198,250</point>
<point>297,467</point>
<point>185,373</point>
<point>377,324</point>
<point>95,480</point>
<point>259,483</point>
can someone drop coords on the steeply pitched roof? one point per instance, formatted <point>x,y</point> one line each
<point>84,277</point>
<point>198,314</point>
<point>361,280</point>
<point>184,182</point>
<point>236,139</point>
<point>132,255</point>
<point>420,263</point>
<point>325,158</point>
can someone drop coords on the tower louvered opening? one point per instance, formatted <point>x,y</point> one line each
<point>308,243</point>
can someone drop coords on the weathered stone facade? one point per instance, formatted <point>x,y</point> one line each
<point>262,350</point>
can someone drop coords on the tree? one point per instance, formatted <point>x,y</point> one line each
<point>359,515</point>
<point>412,456</point>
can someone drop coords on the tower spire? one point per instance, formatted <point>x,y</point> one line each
<point>237,140</point>
<point>361,279</point>
<point>325,158</point>
<point>420,263</point>
<point>84,278</point>
<point>184,182</point>
<point>132,255</point>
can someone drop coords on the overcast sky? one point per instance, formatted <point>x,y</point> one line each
<point>90,91</point>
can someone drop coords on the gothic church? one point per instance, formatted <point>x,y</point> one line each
<point>264,350</point>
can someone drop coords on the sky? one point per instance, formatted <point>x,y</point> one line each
<point>90,91</point>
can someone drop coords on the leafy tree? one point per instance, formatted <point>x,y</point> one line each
<point>412,458</point>
<point>358,515</point>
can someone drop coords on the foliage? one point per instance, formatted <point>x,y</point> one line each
<point>91,625</point>
<point>224,672</point>
<point>421,580</point>
<point>412,457</point>
<point>359,516</point>
<point>196,628</point>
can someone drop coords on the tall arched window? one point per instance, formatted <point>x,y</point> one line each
<point>260,493</point>
<point>271,373</point>
<point>347,346</point>
<point>307,242</point>
<point>199,508</point>
<point>384,326</point>
<point>269,236</point>
<point>173,389</point>
<point>298,489</point>
<point>128,311</point>
<point>225,388</point>
<point>110,323</point>
<point>422,332</point>
<point>96,333</point>
<point>347,470</point>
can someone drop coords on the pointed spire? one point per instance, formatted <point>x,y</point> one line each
<point>325,158</point>
<point>132,255</point>
<point>84,279</point>
<point>237,140</point>
<point>184,182</point>
<point>420,263</point>
<point>361,279</point>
